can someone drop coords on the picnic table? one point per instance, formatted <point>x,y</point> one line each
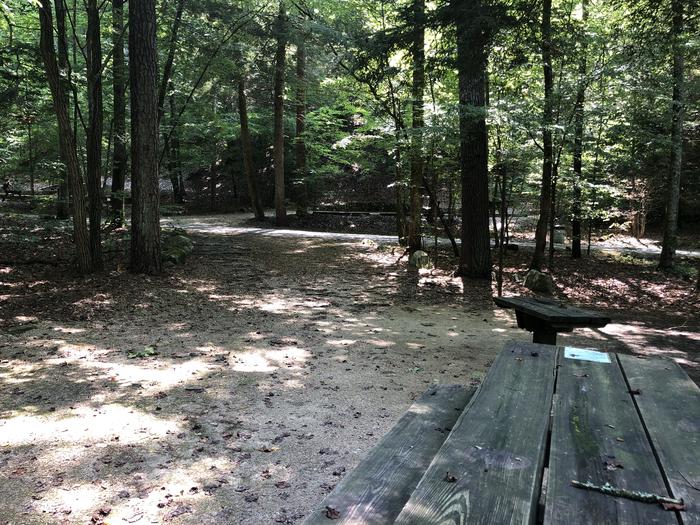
<point>544,417</point>
<point>546,317</point>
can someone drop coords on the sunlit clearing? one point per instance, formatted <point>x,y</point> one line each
<point>25,319</point>
<point>341,342</point>
<point>86,425</point>
<point>157,378</point>
<point>67,330</point>
<point>270,360</point>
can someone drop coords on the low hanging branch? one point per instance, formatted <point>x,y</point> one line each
<point>644,497</point>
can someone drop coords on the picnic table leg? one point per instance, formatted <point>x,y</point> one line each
<point>544,337</point>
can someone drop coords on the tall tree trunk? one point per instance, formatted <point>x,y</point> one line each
<point>670,240</point>
<point>415,238</point>
<point>247,148</point>
<point>168,67</point>
<point>173,150</point>
<point>119,158</point>
<point>63,201</point>
<point>299,143</point>
<point>66,138</point>
<point>31,157</point>
<point>475,256</point>
<point>547,118</point>
<point>578,138</point>
<point>143,64</point>
<point>278,144</point>
<point>93,49</point>
<point>401,227</point>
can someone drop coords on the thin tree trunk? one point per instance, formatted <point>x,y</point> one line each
<point>553,215</point>
<point>278,144</point>
<point>145,213</point>
<point>578,139</point>
<point>119,158</point>
<point>213,182</point>
<point>173,147</point>
<point>63,201</point>
<point>66,138</point>
<point>670,240</point>
<point>247,148</point>
<point>300,144</point>
<point>93,48</point>
<point>546,194</point>
<point>415,238</point>
<point>31,157</point>
<point>475,260</point>
<point>168,67</point>
<point>400,193</point>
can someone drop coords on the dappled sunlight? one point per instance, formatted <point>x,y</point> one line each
<point>163,376</point>
<point>84,425</point>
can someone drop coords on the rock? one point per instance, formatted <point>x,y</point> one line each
<point>539,282</point>
<point>176,248</point>
<point>419,259</point>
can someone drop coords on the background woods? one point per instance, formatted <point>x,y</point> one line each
<point>461,118</point>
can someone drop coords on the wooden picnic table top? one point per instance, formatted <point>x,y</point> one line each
<point>553,311</point>
<point>543,417</point>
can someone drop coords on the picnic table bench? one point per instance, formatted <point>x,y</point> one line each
<point>546,317</point>
<point>508,452</point>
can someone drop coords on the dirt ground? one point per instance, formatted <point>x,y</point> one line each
<point>240,387</point>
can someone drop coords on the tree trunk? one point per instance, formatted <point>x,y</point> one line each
<point>278,145</point>
<point>93,49</point>
<point>31,157</point>
<point>63,201</point>
<point>168,67</point>
<point>247,148</point>
<point>173,149</point>
<point>578,139</point>
<point>299,144</point>
<point>415,238</point>
<point>401,229</point>
<point>143,64</point>
<point>475,259</point>
<point>546,194</point>
<point>119,158</point>
<point>670,240</point>
<point>66,138</point>
<point>213,182</point>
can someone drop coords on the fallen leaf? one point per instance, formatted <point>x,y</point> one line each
<point>331,513</point>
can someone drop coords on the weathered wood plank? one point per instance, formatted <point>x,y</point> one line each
<point>669,403</point>
<point>598,437</point>
<point>495,452</point>
<point>553,311</point>
<point>377,489</point>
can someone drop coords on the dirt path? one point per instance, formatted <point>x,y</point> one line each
<point>277,363</point>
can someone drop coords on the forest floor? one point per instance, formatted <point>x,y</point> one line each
<point>242,385</point>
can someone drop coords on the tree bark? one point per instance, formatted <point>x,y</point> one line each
<point>119,159</point>
<point>415,238</point>
<point>546,193</point>
<point>475,256</point>
<point>247,148</point>
<point>578,138</point>
<point>173,149</point>
<point>66,138</point>
<point>63,201</point>
<point>670,240</point>
<point>168,67</point>
<point>145,213</point>
<point>93,49</point>
<point>278,144</point>
<point>299,143</point>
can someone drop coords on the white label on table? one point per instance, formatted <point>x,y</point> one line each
<point>586,354</point>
